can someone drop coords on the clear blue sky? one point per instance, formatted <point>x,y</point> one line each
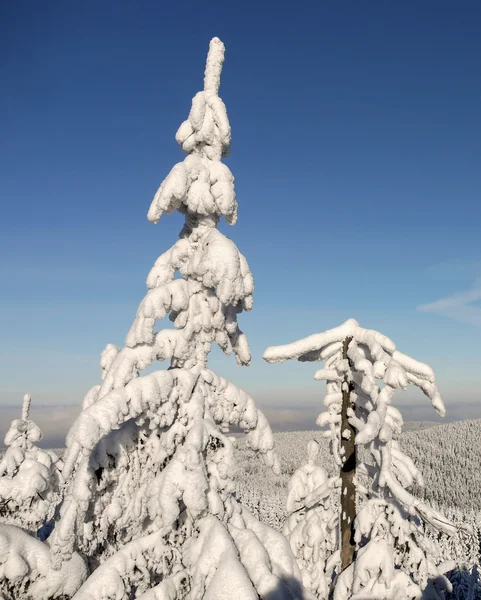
<point>356,151</point>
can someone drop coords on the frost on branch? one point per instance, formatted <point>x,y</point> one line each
<point>29,476</point>
<point>149,499</point>
<point>393,557</point>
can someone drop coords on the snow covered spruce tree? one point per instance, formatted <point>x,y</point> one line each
<point>381,550</point>
<point>29,476</point>
<point>150,499</point>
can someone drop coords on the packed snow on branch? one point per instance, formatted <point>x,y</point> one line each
<point>149,509</point>
<point>380,550</point>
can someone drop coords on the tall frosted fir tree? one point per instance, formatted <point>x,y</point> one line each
<point>150,501</point>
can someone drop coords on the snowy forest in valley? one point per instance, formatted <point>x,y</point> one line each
<point>157,496</point>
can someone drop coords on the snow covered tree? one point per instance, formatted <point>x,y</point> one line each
<point>466,584</point>
<point>149,466</point>
<point>311,524</point>
<point>382,549</point>
<point>29,476</point>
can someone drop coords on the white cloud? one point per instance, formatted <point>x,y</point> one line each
<point>458,306</point>
<point>55,421</point>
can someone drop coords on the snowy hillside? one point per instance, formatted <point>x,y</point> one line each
<point>443,453</point>
<point>452,449</point>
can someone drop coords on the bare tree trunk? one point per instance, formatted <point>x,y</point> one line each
<point>348,470</point>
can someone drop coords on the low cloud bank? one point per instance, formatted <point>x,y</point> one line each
<point>301,418</point>
<point>55,421</point>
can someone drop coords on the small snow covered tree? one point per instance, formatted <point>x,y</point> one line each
<point>30,482</point>
<point>149,466</point>
<point>382,549</point>
<point>466,583</point>
<point>30,477</point>
<point>311,524</point>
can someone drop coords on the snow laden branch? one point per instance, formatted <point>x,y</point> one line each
<point>149,459</point>
<point>382,360</point>
<point>26,569</point>
<point>390,556</point>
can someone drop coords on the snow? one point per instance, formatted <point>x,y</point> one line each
<point>201,184</point>
<point>30,477</point>
<point>148,493</point>
<point>143,504</point>
<point>26,562</point>
<point>389,518</point>
<point>310,524</point>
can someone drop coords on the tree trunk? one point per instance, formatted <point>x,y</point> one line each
<point>348,470</point>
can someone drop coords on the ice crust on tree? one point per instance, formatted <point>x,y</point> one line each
<point>30,477</point>
<point>394,559</point>
<point>149,499</point>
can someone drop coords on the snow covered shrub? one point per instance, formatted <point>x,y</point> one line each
<point>29,476</point>
<point>311,525</point>
<point>384,552</point>
<point>149,466</point>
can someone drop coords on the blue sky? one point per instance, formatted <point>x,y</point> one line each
<point>356,149</point>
